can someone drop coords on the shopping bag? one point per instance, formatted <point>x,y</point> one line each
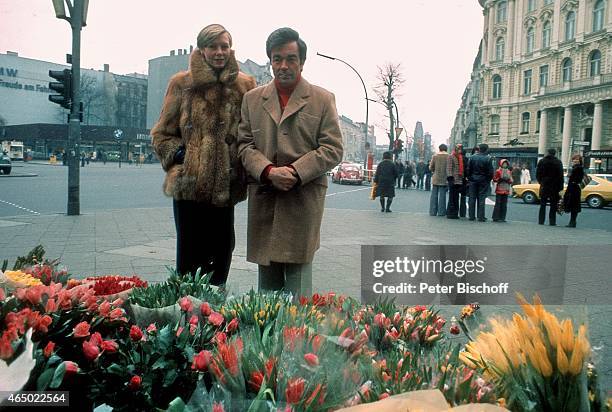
<point>373,191</point>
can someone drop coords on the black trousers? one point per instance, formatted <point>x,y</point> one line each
<point>501,208</point>
<point>452,209</point>
<point>553,199</point>
<point>204,239</point>
<point>478,195</point>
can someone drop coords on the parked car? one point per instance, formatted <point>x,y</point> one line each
<point>347,173</point>
<point>596,194</point>
<point>5,163</point>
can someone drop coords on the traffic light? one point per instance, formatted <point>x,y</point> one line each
<point>63,86</point>
<point>398,146</point>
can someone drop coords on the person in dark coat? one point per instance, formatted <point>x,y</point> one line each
<point>427,177</point>
<point>420,171</point>
<point>399,166</point>
<point>549,174</point>
<point>386,174</point>
<point>480,173</point>
<point>571,199</point>
<point>516,174</point>
<point>407,180</point>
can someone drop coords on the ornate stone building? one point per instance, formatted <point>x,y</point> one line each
<point>546,78</point>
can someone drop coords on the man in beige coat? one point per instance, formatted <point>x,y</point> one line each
<point>289,138</point>
<point>439,185</point>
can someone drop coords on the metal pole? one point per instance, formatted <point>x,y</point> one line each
<point>365,91</point>
<point>74,126</point>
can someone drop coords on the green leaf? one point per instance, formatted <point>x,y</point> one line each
<point>177,405</point>
<point>44,379</point>
<point>159,364</point>
<point>58,376</point>
<point>170,377</point>
<point>115,369</point>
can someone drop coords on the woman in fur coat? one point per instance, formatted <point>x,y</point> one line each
<point>385,177</point>
<point>195,140</point>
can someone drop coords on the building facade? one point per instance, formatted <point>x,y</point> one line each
<point>161,69</point>
<point>546,79</point>
<point>353,140</point>
<point>467,120</point>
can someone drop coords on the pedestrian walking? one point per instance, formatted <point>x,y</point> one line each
<point>503,178</point>
<point>195,140</point>
<point>480,173</point>
<point>420,171</point>
<point>427,177</point>
<point>407,179</point>
<point>289,139</point>
<point>525,175</point>
<point>571,198</point>
<point>455,170</point>
<point>437,201</point>
<point>399,166</point>
<point>385,177</point>
<point>549,174</point>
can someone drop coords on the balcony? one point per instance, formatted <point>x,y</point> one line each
<point>577,84</point>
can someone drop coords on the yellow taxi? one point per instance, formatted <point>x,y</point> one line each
<point>596,194</point>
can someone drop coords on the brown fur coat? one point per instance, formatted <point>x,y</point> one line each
<point>201,111</point>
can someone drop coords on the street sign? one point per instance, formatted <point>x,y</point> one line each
<point>398,131</point>
<point>581,143</point>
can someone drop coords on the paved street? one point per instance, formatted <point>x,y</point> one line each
<point>127,227</point>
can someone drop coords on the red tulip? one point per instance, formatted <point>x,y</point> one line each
<point>2,294</point>
<point>232,326</point>
<point>48,351</point>
<point>104,308</point>
<point>383,395</point>
<point>205,309</point>
<point>81,330</point>
<point>96,339</point>
<point>51,305</point>
<point>43,323</point>
<point>135,383</point>
<point>193,320</point>
<point>295,390</point>
<point>256,381</point>
<point>109,346</point>
<point>90,350</point>
<point>216,319</point>
<point>201,361</point>
<point>71,368</point>
<point>217,407</point>
<point>317,341</point>
<point>454,329</point>
<point>186,304</point>
<point>151,328</point>
<point>135,333</point>
<point>311,359</point>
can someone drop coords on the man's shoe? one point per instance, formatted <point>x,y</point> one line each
<point>388,210</point>
<point>452,217</point>
<point>484,219</point>
<point>472,219</point>
<point>382,210</point>
<point>553,224</point>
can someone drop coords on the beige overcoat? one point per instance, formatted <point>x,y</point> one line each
<point>284,227</point>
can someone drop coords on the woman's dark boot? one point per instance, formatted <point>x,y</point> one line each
<point>382,204</point>
<point>389,201</point>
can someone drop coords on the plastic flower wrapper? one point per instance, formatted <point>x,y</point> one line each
<point>537,360</point>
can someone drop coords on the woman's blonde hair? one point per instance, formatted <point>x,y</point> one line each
<point>577,157</point>
<point>210,33</point>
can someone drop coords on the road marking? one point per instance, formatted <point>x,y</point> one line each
<point>19,207</point>
<point>348,191</point>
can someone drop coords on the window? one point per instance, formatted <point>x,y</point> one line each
<point>567,70</point>
<point>501,12</point>
<point>497,86</point>
<point>547,2</point>
<point>527,82</point>
<point>561,120</point>
<point>595,63</point>
<point>531,5</point>
<point>546,35</point>
<point>544,76</point>
<point>494,124</point>
<point>538,118</point>
<point>570,24</point>
<point>500,48</point>
<point>525,122</point>
<point>530,39</point>
<point>598,15</point>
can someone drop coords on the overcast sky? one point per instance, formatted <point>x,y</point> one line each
<point>435,41</point>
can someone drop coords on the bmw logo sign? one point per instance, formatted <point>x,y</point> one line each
<point>118,133</point>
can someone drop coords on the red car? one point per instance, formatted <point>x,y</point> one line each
<point>347,173</point>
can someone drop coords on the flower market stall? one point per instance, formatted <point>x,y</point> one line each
<point>117,343</point>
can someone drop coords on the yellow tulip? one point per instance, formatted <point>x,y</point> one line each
<point>567,336</point>
<point>553,329</point>
<point>575,364</point>
<point>562,362</point>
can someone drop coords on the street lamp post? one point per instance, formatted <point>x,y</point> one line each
<point>365,91</point>
<point>78,14</point>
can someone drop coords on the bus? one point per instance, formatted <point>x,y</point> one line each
<point>13,148</point>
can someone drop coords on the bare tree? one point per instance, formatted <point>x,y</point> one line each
<point>390,81</point>
<point>91,97</point>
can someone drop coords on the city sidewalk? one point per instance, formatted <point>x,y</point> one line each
<point>142,242</point>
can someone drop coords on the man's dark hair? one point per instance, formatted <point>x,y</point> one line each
<point>387,155</point>
<point>283,36</point>
<point>483,147</point>
<point>552,152</point>
<point>443,147</point>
